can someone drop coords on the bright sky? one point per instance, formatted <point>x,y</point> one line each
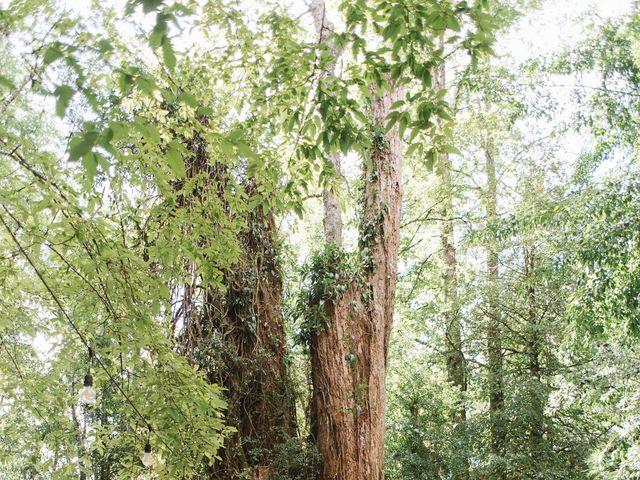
<point>557,24</point>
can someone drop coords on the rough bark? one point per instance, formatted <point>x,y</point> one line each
<point>349,355</point>
<point>494,333</point>
<point>236,335</point>
<point>252,358</point>
<point>255,327</point>
<point>456,368</point>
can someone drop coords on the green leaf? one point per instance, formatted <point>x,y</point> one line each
<point>246,151</point>
<point>6,82</point>
<point>444,114</point>
<point>345,141</point>
<point>226,147</point>
<point>424,113</point>
<point>436,21</point>
<point>168,95</point>
<point>168,55</point>
<point>148,130</point>
<point>119,129</point>
<point>104,46</point>
<point>452,23</point>
<point>52,53</point>
<point>404,122</point>
<point>150,5</point>
<point>188,99</point>
<point>450,149</point>
<point>125,82</point>
<point>392,119</point>
<point>412,148</point>
<point>64,94</point>
<point>90,164</point>
<point>431,158</point>
<point>426,76</point>
<point>204,110</point>
<point>102,161</point>
<point>80,145</point>
<point>92,99</point>
<point>159,32</point>
<point>174,158</point>
<point>146,84</point>
<point>392,30</point>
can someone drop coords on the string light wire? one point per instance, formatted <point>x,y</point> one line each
<point>75,328</point>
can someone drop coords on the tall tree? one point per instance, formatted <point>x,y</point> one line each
<point>246,313</point>
<point>535,331</point>
<point>456,369</point>
<point>493,325</point>
<point>349,355</point>
<point>349,344</point>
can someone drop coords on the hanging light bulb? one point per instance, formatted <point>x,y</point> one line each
<point>87,394</point>
<point>147,459</point>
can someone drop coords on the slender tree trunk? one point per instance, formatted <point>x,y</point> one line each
<point>536,394</point>
<point>494,331</point>
<point>536,390</point>
<point>456,368</point>
<point>349,355</point>
<point>455,361</point>
<point>333,217</point>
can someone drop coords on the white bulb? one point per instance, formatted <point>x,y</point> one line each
<point>87,395</point>
<point>147,459</point>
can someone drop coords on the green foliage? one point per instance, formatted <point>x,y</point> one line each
<point>422,443</point>
<point>324,279</point>
<point>294,460</point>
<point>603,225</point>
<point>610,111</point>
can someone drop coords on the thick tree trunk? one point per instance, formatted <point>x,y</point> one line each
<point>349,356</point>
<point>494,331</point>
<point>237,336</point>
<point>254,300</point>
<point>252,368</point>
<point>456,368</point>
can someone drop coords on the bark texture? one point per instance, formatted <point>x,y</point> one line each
<point>349,356</point>
<point>494,330</point>
<point>255,373</point>
<point>236,335</point>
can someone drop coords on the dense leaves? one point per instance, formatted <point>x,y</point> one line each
<point>160,162</point>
